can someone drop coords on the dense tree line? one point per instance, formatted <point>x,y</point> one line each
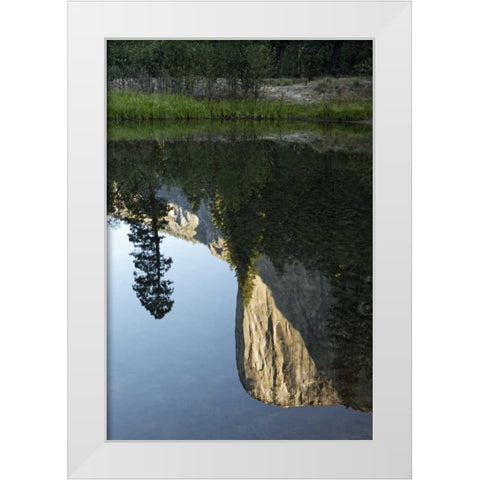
<point>242,62</point>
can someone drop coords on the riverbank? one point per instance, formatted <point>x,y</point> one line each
<point>124,105</point>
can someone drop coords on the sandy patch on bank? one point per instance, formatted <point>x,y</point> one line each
<point>315,91</point>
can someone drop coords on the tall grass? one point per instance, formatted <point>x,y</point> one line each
<point>139,107</point>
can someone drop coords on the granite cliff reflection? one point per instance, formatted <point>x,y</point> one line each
<point>288,352</point>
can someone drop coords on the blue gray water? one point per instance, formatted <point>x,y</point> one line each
<point>176,378</point>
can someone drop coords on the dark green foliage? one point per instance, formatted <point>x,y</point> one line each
<point>242,62</point>
<point>350,330</point>
<point>263,202</point>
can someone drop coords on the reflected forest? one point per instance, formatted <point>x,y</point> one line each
<point>239,208</point>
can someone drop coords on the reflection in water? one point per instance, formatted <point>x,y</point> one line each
<point>285,314</point>
<point>287,354</point>
<point>134,200</point>
<point>294,220</point>
<point>152,290</point>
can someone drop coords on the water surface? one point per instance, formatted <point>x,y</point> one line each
<point>239,284</point>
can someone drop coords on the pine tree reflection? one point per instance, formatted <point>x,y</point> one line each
<point>132,198</point>
<point>151,288</point>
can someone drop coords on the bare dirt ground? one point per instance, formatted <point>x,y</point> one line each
<point>315,91</point>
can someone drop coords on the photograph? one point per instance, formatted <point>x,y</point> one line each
<point>239,217</point>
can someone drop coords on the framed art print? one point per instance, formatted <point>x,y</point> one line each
<point>239,239</point>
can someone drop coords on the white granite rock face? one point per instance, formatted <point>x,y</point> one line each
<point>273,361</point>
<point>195,227</point>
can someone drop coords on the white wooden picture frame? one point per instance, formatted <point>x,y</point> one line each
<point>388,23</point>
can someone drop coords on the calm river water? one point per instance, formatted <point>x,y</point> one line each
<point>239,284</point>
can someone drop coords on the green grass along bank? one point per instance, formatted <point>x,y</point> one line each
<point>123,106</point>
